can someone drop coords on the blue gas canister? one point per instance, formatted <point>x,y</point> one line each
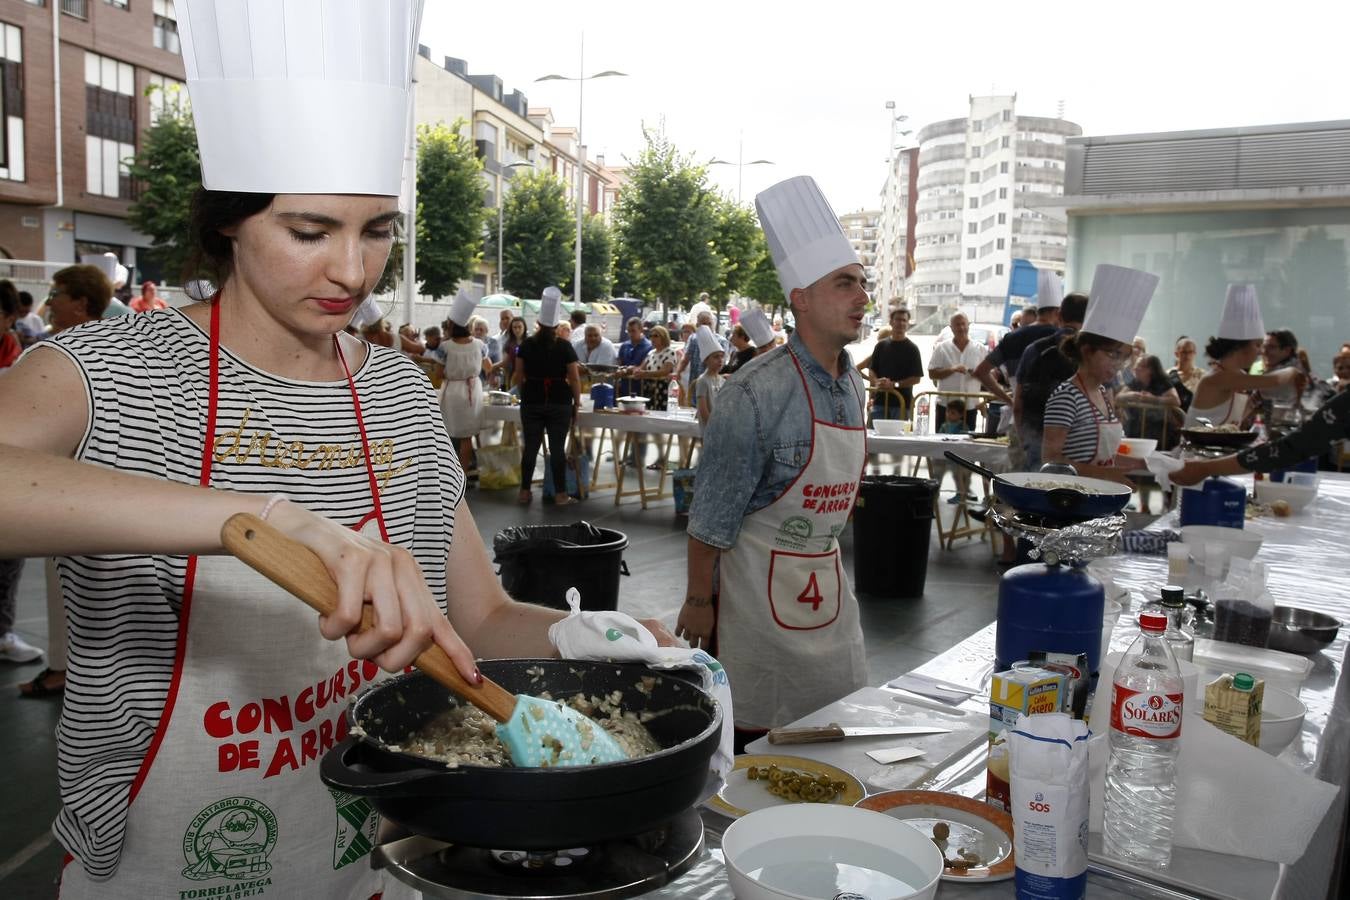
<point>1217,501</point>
<point>1057,609</point>
<point>603,396</point>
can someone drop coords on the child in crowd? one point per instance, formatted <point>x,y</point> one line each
<point>708,384</point>
<point>954,422</point>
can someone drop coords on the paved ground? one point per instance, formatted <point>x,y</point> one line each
<point>959,599</point>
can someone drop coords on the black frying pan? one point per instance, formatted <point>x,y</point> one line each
<point>530,809</point>
<point>1072,497</point>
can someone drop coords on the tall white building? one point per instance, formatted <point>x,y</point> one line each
<point>895,229</point>
<point>861,230</point>
<point>975,176</point>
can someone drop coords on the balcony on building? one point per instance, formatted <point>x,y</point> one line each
<point>1040,150</point>
<point>76,8</point>
<point>940,153</point>
<point>1028,174</point>
<point>942,177</point>
<point>941,129</point>
<point>1049,126</point>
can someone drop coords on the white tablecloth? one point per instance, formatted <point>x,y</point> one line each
<point>678,424</point>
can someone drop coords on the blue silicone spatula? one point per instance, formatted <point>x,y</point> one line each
<point>536,732</point>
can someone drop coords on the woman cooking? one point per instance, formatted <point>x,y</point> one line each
<point>1081,425</point>
<point>1221,396</point>
<point>200,696</point>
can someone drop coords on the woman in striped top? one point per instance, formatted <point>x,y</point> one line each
<point>1081,425</point>
<point>260,397</point>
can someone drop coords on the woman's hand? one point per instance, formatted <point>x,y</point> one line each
<point>659,631</point>
<point>407,619</point>
<point>1129,463</point>
<point>696,622</point>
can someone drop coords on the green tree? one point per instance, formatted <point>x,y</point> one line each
<point>169,170</point>
<point>762,282</point>
<point>666,219</point>
<point>450,211</point>
<point>597,259</point>
<point>538,233</point>
<point>737,241</point>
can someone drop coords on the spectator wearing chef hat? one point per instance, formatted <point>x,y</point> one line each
<point>1222,395</point>
<point>1081,426</point>
<point>759,329</point>
<point>116,273</point>
<point>167,426</point>
<point>462,389</point>
<point>550,393</point>
<point>712,379</point>
<point>780,467</point>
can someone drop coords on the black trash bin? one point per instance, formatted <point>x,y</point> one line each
<point>891,525</point>
<point>539,563</point>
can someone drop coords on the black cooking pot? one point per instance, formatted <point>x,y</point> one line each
<point>1073,498</point>
<point>530,809</point>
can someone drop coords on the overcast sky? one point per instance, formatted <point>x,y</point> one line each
<point>807,83</point>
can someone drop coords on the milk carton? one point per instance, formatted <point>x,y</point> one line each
<point>1023,690</point>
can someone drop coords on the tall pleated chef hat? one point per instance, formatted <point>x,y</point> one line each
<point>301,96</point>
<point>758,326</point>
<point>1120,297</point>
<point>708,344</point>
<point>104,262</point>
<point>804,235</point>
<point>1049,290</point>
<point>550,307</point>
<point>1241,315</point>
<point>462,307</point>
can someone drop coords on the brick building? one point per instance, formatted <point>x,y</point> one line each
<point>64,191</point>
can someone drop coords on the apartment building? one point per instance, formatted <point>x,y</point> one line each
<point>861,230</point>
<point>76,78</point>
<point>895,227</point>
<point>976,180</point>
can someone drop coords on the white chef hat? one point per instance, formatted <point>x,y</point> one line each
<point>462,307</point>
<point>708,344</point>
<point>300,96</point>
<point>104,262</point>
<point>757,325</point>
<point>1049,290</point>
<point>803,233</point>
<point>368,313</point>
<point>1241,315</point>
<point>1119,299</point>
<point>550,307</point>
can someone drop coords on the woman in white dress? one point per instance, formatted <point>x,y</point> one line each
<point>462,390</point>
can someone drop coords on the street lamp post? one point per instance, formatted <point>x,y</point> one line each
<point>581,80</point>
<point>501,204</point>
<point>740,164</point>
<point>895,120</point>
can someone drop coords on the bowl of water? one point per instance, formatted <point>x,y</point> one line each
<point>808,851</point>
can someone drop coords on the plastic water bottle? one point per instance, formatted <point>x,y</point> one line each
<point>1145,738</point>
<point>922,424</point>
<point>1173,606</point>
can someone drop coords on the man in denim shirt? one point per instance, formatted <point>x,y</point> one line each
<point>782,456</point>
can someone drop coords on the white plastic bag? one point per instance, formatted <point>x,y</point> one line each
<point>1048,760</point>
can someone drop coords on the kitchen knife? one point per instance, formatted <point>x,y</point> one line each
<point>821,733</point>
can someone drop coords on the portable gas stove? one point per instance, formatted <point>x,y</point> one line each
<point>606,871</point>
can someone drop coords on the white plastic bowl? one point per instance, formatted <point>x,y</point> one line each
<point>1296,495</point>
<point>1281,718</point>
<point>807,851</point>
<point>632,404</point>
<point>887,427</point>
<point>1137,447</point>
<point>1235,540</point>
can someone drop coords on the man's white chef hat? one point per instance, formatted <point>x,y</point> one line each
<point>550,307</point>
<point>708,344</point>
<point>1119,299</point>
<point>462,307</point>
<point>1049,289</point>
<point>104,262</point>
<point>758,326</point>
<point>301,96</point>
<point>804,236</point>
<point>1241,315</point>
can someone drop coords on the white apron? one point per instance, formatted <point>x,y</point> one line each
<point>228,802</point>
<point>788,631</point>
<point>1109,434</point>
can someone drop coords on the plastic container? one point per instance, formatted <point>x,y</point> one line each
<point>892,524</point>
<point>1217,501</point>
<point>1178,636</point>
<point>539,563</point>
<point>1243,612</point>
<point>602,396</point>
<point>1145,738</point>
<point>1053,608</point>
<point>1283,670</point>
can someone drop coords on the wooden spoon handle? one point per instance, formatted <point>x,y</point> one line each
<point>299,570</point>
